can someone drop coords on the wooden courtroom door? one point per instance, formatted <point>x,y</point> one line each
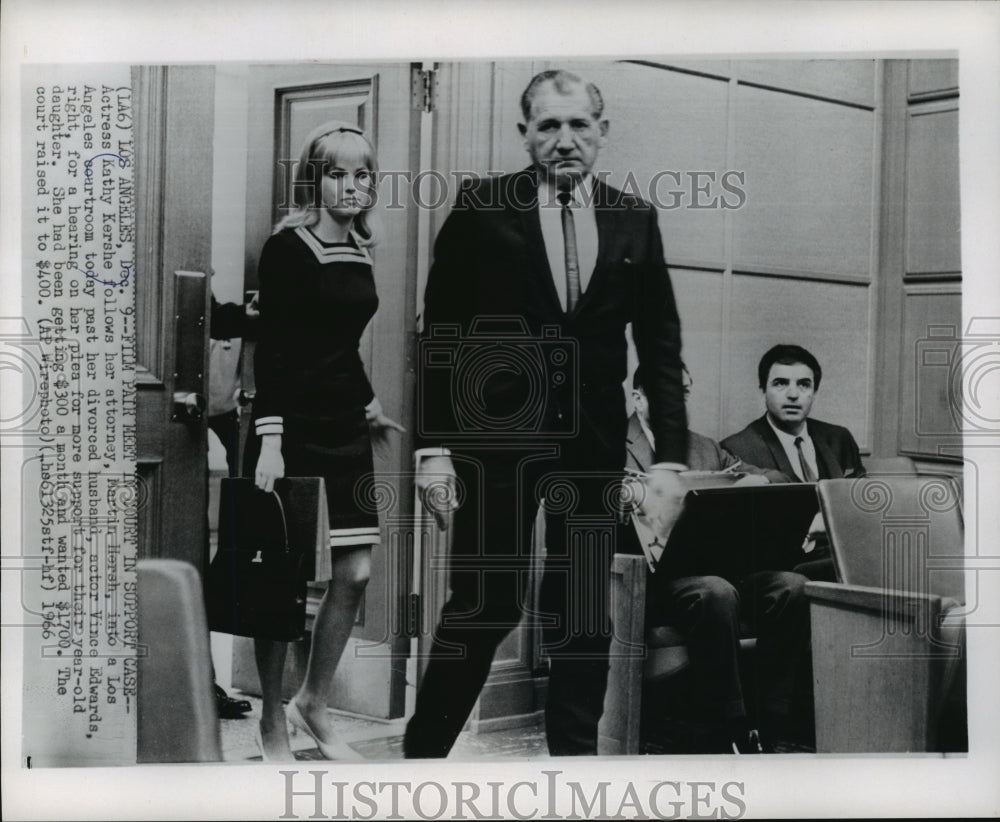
<point>173,179</point>
<point>174,121</point>
<point>285,103</point>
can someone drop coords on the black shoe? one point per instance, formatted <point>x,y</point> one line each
<point>731,738</point>
<point>228,707</point>
<point>788,733</point>
<point>749,744</point>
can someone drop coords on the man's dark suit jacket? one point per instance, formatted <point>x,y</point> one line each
<point>490,263</point>
<point>837,453</point>
<point>229,321</point>
<point>704,454</point>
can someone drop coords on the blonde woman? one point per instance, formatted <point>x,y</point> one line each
<point>315,413</point>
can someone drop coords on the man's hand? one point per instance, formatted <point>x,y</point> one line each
<point>752,479</point>
<point>436,484</point>
<point>817,534</point>
<point>252,308</point>
<point>664,501</point>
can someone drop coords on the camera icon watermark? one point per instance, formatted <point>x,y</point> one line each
<point>900,537</point>
<point>585,515</point>
<point>499,381</point>
<point>412,547</point>
<point>964,372</point>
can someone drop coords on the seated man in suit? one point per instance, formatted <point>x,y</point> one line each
<point>708,610</point>
<point>704,453</point>
<point>788,440</point>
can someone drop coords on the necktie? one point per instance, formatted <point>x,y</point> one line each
<point>572,260</point>
<point>807,473</point>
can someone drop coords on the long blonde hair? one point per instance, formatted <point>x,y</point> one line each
<point>321,149</point>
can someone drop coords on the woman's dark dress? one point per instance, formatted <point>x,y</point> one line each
<point>316,299</point>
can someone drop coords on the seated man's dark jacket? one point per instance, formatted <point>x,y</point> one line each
<point>704,454</point>
<point>837,453</point>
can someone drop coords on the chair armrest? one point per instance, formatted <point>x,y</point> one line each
<point>627,563</point>
<point>619,731</point>
<point>881,666</point>
<point>628,605</point>
<point>862,597</point>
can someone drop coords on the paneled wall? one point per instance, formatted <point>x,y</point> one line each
<point>837,228</point>
<point>782,249</point>
<point>921,321</point>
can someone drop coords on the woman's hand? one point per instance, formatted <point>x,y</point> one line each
<point>379,425</point>
<point>270,463</point>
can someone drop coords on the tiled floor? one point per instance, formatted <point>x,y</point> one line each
<point>380,740</point>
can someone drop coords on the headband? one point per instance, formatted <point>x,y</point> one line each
<point>347,129</point>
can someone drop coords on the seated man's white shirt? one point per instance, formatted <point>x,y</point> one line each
<point>644,425</point>
<point>788,443</point>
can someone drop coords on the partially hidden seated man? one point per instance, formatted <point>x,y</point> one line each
<point>787,439</point>
<point>708,611</point>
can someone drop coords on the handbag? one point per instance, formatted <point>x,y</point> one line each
<point>256,583</point>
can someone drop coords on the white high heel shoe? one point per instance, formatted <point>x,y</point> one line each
<point>259,738</point>
<point>331,750</point>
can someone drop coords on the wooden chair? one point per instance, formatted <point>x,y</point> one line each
<point>888,639</point>
<point>177,717</point>
<point>641,657</point>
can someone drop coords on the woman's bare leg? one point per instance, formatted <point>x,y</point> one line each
<point>270,655</point>
<point>331,629</point>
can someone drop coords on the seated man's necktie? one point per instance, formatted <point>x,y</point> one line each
<point>807,473</point>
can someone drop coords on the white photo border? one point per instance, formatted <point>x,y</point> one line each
<point>118,31</point>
